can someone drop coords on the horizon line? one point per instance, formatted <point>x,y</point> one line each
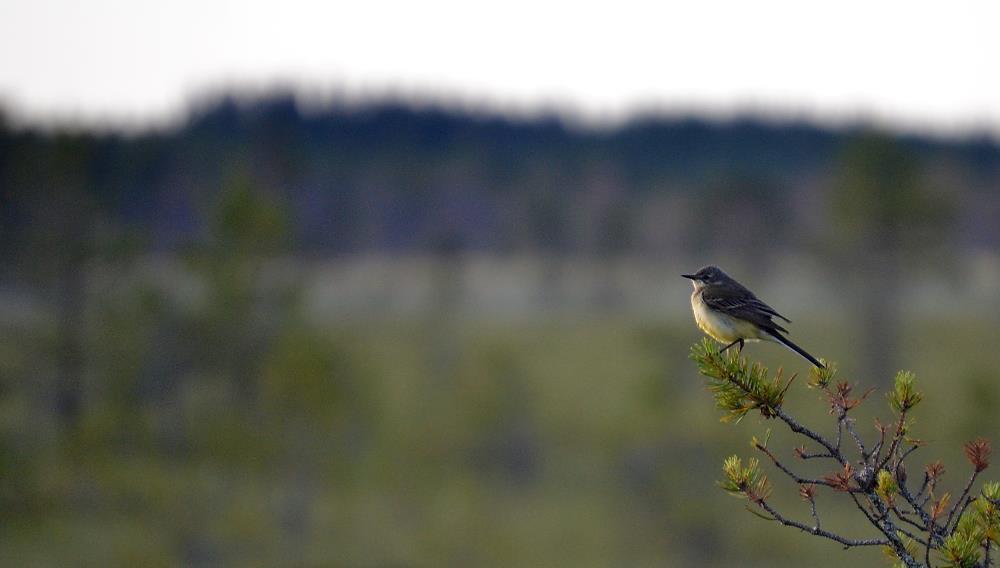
<point>312,100</point>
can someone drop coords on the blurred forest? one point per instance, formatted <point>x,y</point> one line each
<point>387,334</point>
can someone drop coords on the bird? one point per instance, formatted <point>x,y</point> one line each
<point>730,313</point>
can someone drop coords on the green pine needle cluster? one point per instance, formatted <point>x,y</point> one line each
<point>739,386</point>
<point>886,485</point>
<point>988,511</point>
<point>821,378</point>
<point>904,396</point>
<point>981,522</point>
<point>961,549</point>
<point>749,481</point>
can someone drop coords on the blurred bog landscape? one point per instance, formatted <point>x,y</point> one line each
<point>391,334</point>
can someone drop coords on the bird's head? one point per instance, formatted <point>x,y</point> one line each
<point>706,276</point>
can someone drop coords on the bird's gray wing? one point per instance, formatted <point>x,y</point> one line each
<point>742,304</point>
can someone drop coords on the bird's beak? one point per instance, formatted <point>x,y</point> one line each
<point>690,276</point>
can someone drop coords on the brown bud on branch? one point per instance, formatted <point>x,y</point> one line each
<point>978,453</point>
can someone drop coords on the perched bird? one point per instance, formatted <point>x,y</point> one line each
<point>729,313</point>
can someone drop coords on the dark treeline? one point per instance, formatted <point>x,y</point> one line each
<point>393,177</point>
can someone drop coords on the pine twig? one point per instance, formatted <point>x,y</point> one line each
<point>959,502</point>
<point>848,543</point>
<point>798,428</point>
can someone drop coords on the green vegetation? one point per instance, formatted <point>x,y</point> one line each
<point>381,335</point>
<point>581,442</point>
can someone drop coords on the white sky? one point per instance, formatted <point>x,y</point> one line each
<point>920,65</point>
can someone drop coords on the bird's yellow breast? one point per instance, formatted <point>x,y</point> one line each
<point>721,327</point>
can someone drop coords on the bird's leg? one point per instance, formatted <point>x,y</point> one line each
<point>740,341</point>
<point>739,350</point>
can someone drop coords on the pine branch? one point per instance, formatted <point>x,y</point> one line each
<point>963,534</point>
<point>795,477</point>
<point>820,532</point>
<point>800,429</point>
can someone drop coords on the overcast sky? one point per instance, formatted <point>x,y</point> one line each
<point>920,65</point>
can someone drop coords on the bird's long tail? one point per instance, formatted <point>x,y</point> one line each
<point>788,343</point>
